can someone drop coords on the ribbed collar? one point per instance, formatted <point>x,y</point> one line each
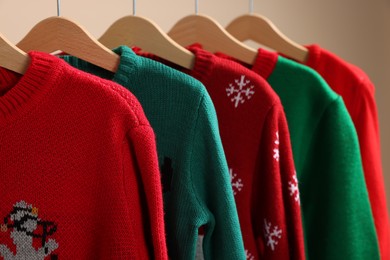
<point>129,62</point>
<point>204,63</point>
<point>20,93</point>
<point>128,65</point>
<point>314,55</point>
<point>265,63</point>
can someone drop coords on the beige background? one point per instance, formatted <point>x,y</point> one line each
<point>357,30</point>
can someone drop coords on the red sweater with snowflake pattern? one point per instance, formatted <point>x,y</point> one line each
<point>256,142</point>
<point>78,168</point>
<point>358,93</point>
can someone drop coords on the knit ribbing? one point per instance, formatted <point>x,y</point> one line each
<point>28,89</point>
<point>314,55</point>
<point>265,63</point>
<point>203,64</point>
<point>7,80</point>
<point>127,66</point>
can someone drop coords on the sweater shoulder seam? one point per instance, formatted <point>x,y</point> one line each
<point>325,111</point>
<point>130,104</point>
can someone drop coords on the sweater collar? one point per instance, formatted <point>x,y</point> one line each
<point>19,93</point>
<point>314,55</point>
<point>127,65</point>
<point>204,62</point>
<point>265,63</point>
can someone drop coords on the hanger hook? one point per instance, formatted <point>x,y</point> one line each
<point>251,6</point>
<point>134,6</point>
<point>58,8</point>
<point>196,7</point>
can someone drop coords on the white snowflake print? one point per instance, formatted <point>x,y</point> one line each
<point>236,182</point>
<point>293,188</point>
<point>240,91</point>
<point>276,150</point>
<point>272,236</point>
<point>249,256</point>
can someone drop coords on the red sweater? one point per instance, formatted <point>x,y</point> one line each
<point>256,141</point>
<point>78,166</point>
<point>358,94</point>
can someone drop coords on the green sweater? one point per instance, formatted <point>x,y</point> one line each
<point>337,217</point>
<point>195,175</point>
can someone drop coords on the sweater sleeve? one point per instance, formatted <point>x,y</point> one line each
<point>338,218</point>
<point>279,231</point>
<point>145,157</point>
<point>366,123</point>
<point>211,184</point>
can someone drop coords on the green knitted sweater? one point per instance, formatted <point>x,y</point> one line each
<point>337,217</point>
<point>195,176</point>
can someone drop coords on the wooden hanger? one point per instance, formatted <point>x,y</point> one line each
<point>61,34</point>
<point>261,30</point>
<point>11,57</point>
<point>141,32</point>
<point>213,37</point>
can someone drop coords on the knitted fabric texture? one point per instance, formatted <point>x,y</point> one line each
<point>195,176</point>
<point>79,169</point>
<point>257,146</point>
<point>358,94</point>
<point>337,218</point>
